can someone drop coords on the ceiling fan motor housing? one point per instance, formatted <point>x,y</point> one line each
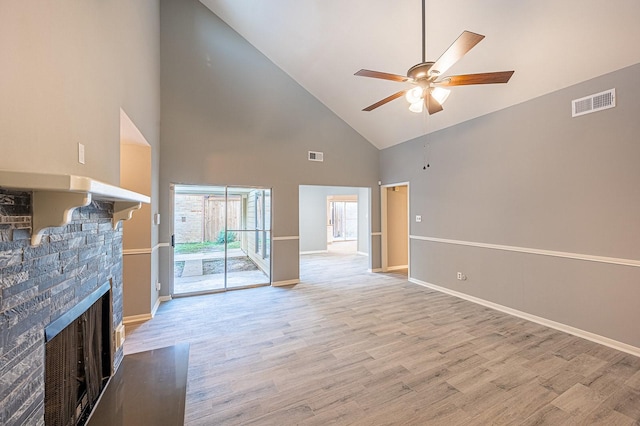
<point>422,71</point>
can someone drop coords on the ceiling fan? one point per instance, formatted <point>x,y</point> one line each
<point>429,91</point>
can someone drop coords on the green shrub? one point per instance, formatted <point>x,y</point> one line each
<point>231,237</point>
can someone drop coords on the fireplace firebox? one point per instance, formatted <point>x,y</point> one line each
<point>78,359</point>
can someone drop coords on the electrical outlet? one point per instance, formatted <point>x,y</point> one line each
<point>418,218</point>
<point>80,153</point>
<point>461,276</point>
<point>158,285</point>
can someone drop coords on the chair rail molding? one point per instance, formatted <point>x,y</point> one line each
<point>552,253</point>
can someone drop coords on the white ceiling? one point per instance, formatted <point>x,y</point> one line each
<point>550,44</point>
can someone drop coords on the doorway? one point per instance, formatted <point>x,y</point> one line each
<point>323,249</point>
<point>394,200</point>
<point>221,238</point>
<point>331,215</point>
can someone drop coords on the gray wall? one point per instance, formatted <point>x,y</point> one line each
<point>67,69</point>
<point>364,224</point>
<point>530,176</point>
<point>230,116</point>
<point>313,216</point>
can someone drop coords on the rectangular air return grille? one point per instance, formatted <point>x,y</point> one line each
<point>593,103</point>
<point>315,156</point>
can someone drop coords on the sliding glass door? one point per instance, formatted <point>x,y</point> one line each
<point>222,238</point>
<point>249,226</point>
<point>344,217</point>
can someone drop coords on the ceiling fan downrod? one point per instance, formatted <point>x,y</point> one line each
<point>424,35</point>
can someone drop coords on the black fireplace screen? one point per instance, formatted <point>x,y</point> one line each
<point>78,365</point>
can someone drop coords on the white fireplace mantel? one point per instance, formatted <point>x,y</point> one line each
<point>55,196</point>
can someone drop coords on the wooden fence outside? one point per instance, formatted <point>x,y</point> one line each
<point>214,215</point>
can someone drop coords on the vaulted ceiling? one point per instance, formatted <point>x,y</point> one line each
<point>321,43</point>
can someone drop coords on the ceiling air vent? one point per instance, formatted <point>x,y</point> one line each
<point>315,156</point>
<point>593,103</point>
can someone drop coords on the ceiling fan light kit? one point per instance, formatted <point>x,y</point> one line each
<point>416,106</point>
<point>428,91</point>
<point>440,94</point>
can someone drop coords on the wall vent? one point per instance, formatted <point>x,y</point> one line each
<point>593,103</point>
<point>316,156</point>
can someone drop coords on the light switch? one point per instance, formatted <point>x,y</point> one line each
<point>80,153</point>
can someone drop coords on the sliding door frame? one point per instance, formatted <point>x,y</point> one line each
<point>172,191</point>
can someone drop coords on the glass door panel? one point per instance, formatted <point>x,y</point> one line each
<point>337,213</point>
<point>350,220</point>
<point>248,261</point>
<point>344,216</point>
<point>222,238</point>
<point>199,246</point>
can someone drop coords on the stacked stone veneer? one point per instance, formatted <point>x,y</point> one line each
<point>38,284</point>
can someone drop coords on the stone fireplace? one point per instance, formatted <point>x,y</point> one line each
<point>40,284</point>
<point>77,359</point>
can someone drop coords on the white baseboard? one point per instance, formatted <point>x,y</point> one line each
<point>361,253</point>
<point>132,319</point>
<point>375,270</point>
<point>397,268</point>
<point>155,307</point>
<point>285,283</point>
<point>314,252</point>
<point>596,338</point>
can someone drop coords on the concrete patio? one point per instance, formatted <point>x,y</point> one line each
<point>193,279</point>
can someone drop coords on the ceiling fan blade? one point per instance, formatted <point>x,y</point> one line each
<point>382,75</point>
<point>431,104</point>
<point>385,100</point>
<point>482,78</point>
<point>464,43</point>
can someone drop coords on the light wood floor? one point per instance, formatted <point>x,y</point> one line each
<point>350,347</point>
